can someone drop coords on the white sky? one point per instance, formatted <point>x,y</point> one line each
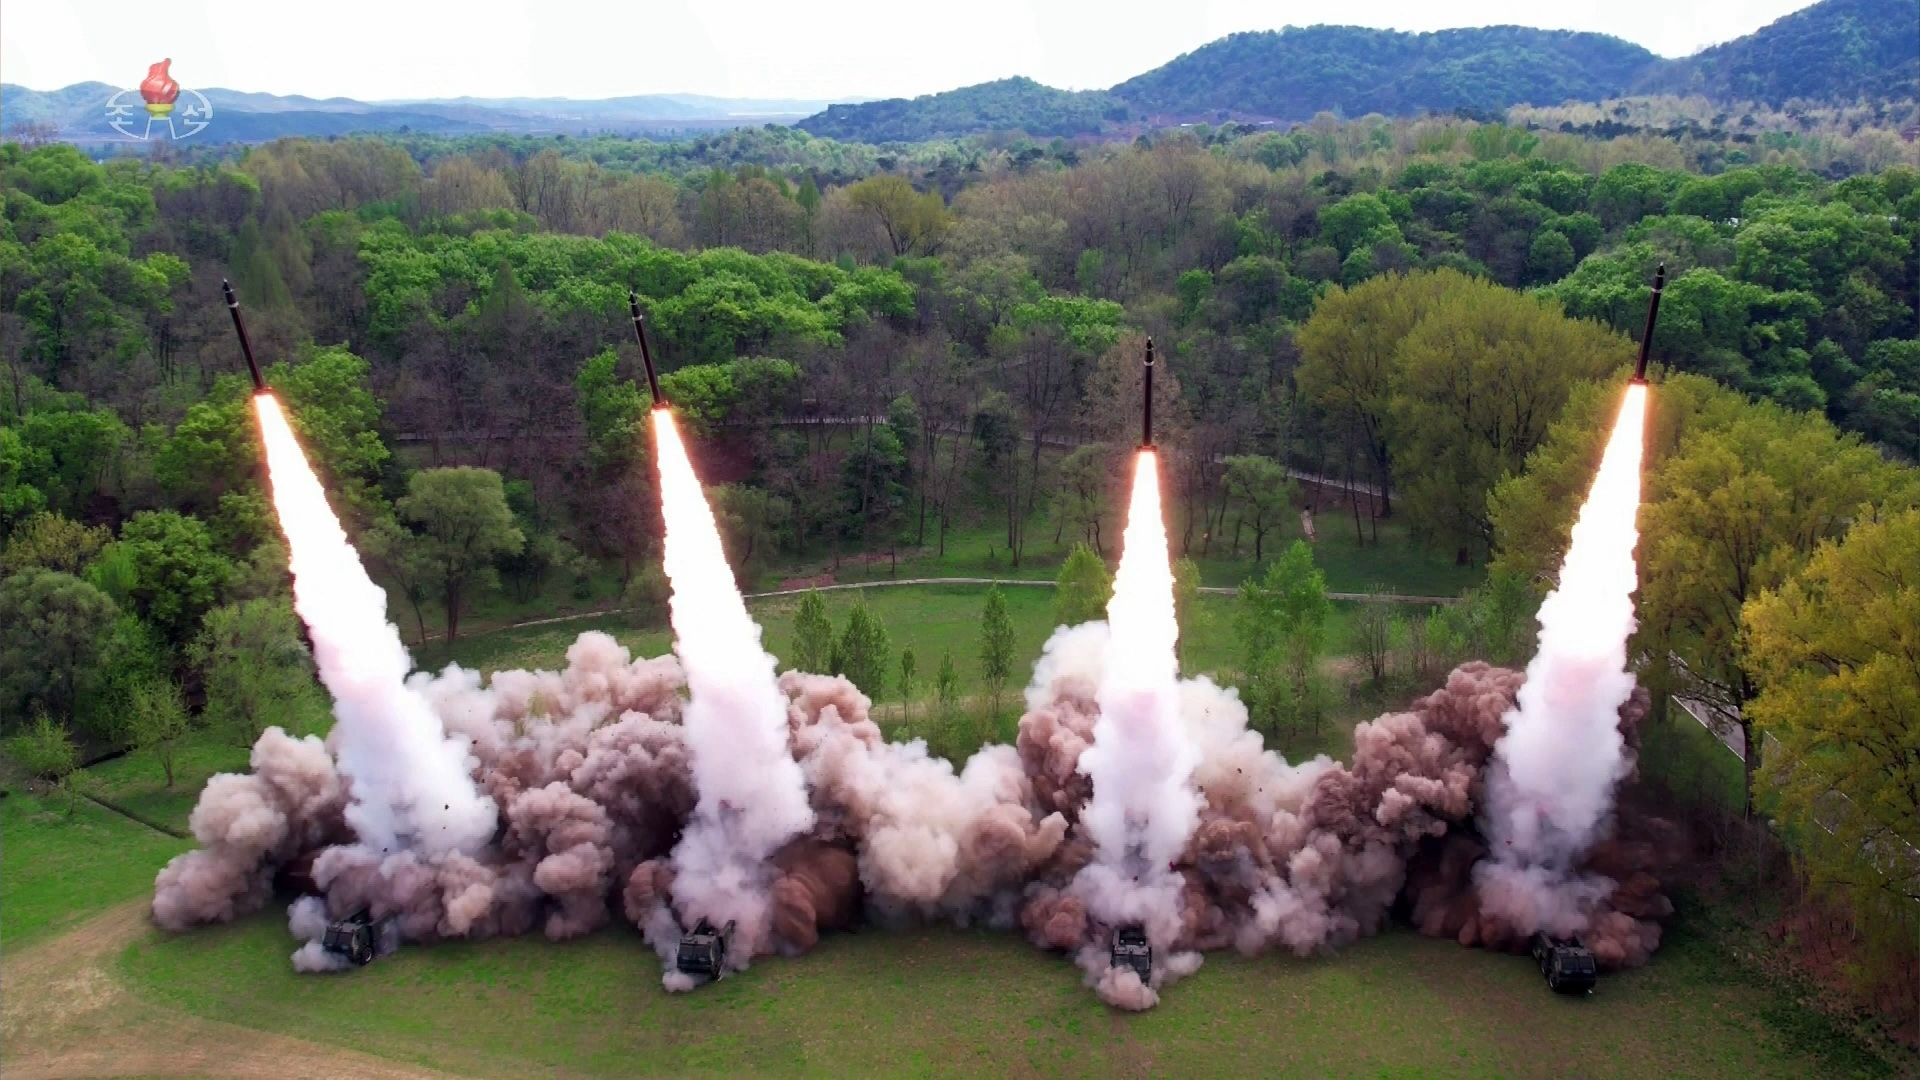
<point>374,49</point>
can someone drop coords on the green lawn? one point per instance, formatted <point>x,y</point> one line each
<point>57,869</point>
<point>137,783</point>
<point>946,1002</point>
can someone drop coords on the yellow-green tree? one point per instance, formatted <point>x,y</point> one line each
<point>1836,652</point>
<point>1480,377</point>
<point>1733,512</point>
<point>1348,352</point>
<point>916,223</point>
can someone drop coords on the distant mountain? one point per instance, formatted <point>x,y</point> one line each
<point>1839,50</point>
<point>1836,50</point>
<point>1294,73</point>
<point>79,113</point>
<point>1017,104</point>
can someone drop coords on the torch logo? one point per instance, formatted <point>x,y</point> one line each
<point>160,94</point>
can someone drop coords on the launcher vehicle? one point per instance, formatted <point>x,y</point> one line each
<point>1566,963</point>
<point>1131,950</point>
<point>361,938</point>
<point>703,951</point>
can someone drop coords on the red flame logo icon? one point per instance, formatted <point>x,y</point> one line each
<point>159,89</point>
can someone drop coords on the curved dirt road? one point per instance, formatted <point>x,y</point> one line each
<point>66,1014</point>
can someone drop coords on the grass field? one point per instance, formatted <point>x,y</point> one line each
<point>947,1002</point>
<point>61,867</point>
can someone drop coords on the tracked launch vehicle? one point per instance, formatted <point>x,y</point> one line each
<point>703,951</point>
<point>1132,950</point>
<point>361,938</point>
<point>1566,963</point>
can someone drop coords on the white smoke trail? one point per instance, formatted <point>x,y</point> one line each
<point>752,796</point>
<point>408,782</point>
<point>1551,785</point>
<point>1144,807</point>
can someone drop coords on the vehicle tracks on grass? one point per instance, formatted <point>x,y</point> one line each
<point>66,1013</point>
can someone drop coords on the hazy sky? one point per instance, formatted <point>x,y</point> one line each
<point>373,49</point>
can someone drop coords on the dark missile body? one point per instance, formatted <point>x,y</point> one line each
<point>1146,409</point>
<point>1646,336</point>
<point>246,346</point>
<point>646,355</point>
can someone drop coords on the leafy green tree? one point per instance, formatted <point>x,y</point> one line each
<point>1350,354</point>
<point>996,645</point>
<point>1282,625</point>
<point>1733,512</point>
<point>256,669</point>
<point>157,720</point>
<point>1263,495</point>
<point>751,521</point>
<point>1479,381</point>
<point>1372,634</point>
<point>46,752</point>
<point>463,524</point>
<point>946,684</point>
<point>1831,651</point>
<point>909,669</point>
<point>863,653</point>
<point>54,542</point>
<point>812,635</point>
<point>914,223</point>
<point>1083,588</point>
<point>1355,218</point>
<point>54,628</point>
<point>178,572</point>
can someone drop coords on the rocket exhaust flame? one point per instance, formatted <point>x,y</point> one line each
<point>1551,786</point>
<point>752,797</point>
<point>409,786</point>
<point>1144,807</point>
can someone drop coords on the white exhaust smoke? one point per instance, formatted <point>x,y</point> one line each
<point>752,797</point>
<point>1551,784</point>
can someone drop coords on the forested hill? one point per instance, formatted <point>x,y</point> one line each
<point>1834,51</point>
<point>1839,50</point>
<point>1005,105</point>
<point>1295,73</point>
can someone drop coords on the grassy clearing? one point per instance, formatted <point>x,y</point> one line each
<point>947,1002</point>
<point>136,781</point>
<point>60,868</point>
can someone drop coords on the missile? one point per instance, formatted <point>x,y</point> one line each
<point>233,308</point>
<point>1646,337</point>
<point>646,356</point>
<point>1146,404</point>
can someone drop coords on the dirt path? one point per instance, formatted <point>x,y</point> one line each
<point>65,1013</point>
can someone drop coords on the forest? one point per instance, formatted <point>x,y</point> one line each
<point>878,350</point>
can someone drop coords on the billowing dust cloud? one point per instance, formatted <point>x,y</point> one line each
<point>680,788</point>
<point>751,799</point>
<point>589,770</point>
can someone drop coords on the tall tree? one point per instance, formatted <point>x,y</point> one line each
<point>54,629</point>
<point>463,524</point>
<point>1083,588</point>
<point>864,653</point>
<point>1263,495</point>
<point>1834,652</point>
<point>996,645</point>
<point>812,635</point>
